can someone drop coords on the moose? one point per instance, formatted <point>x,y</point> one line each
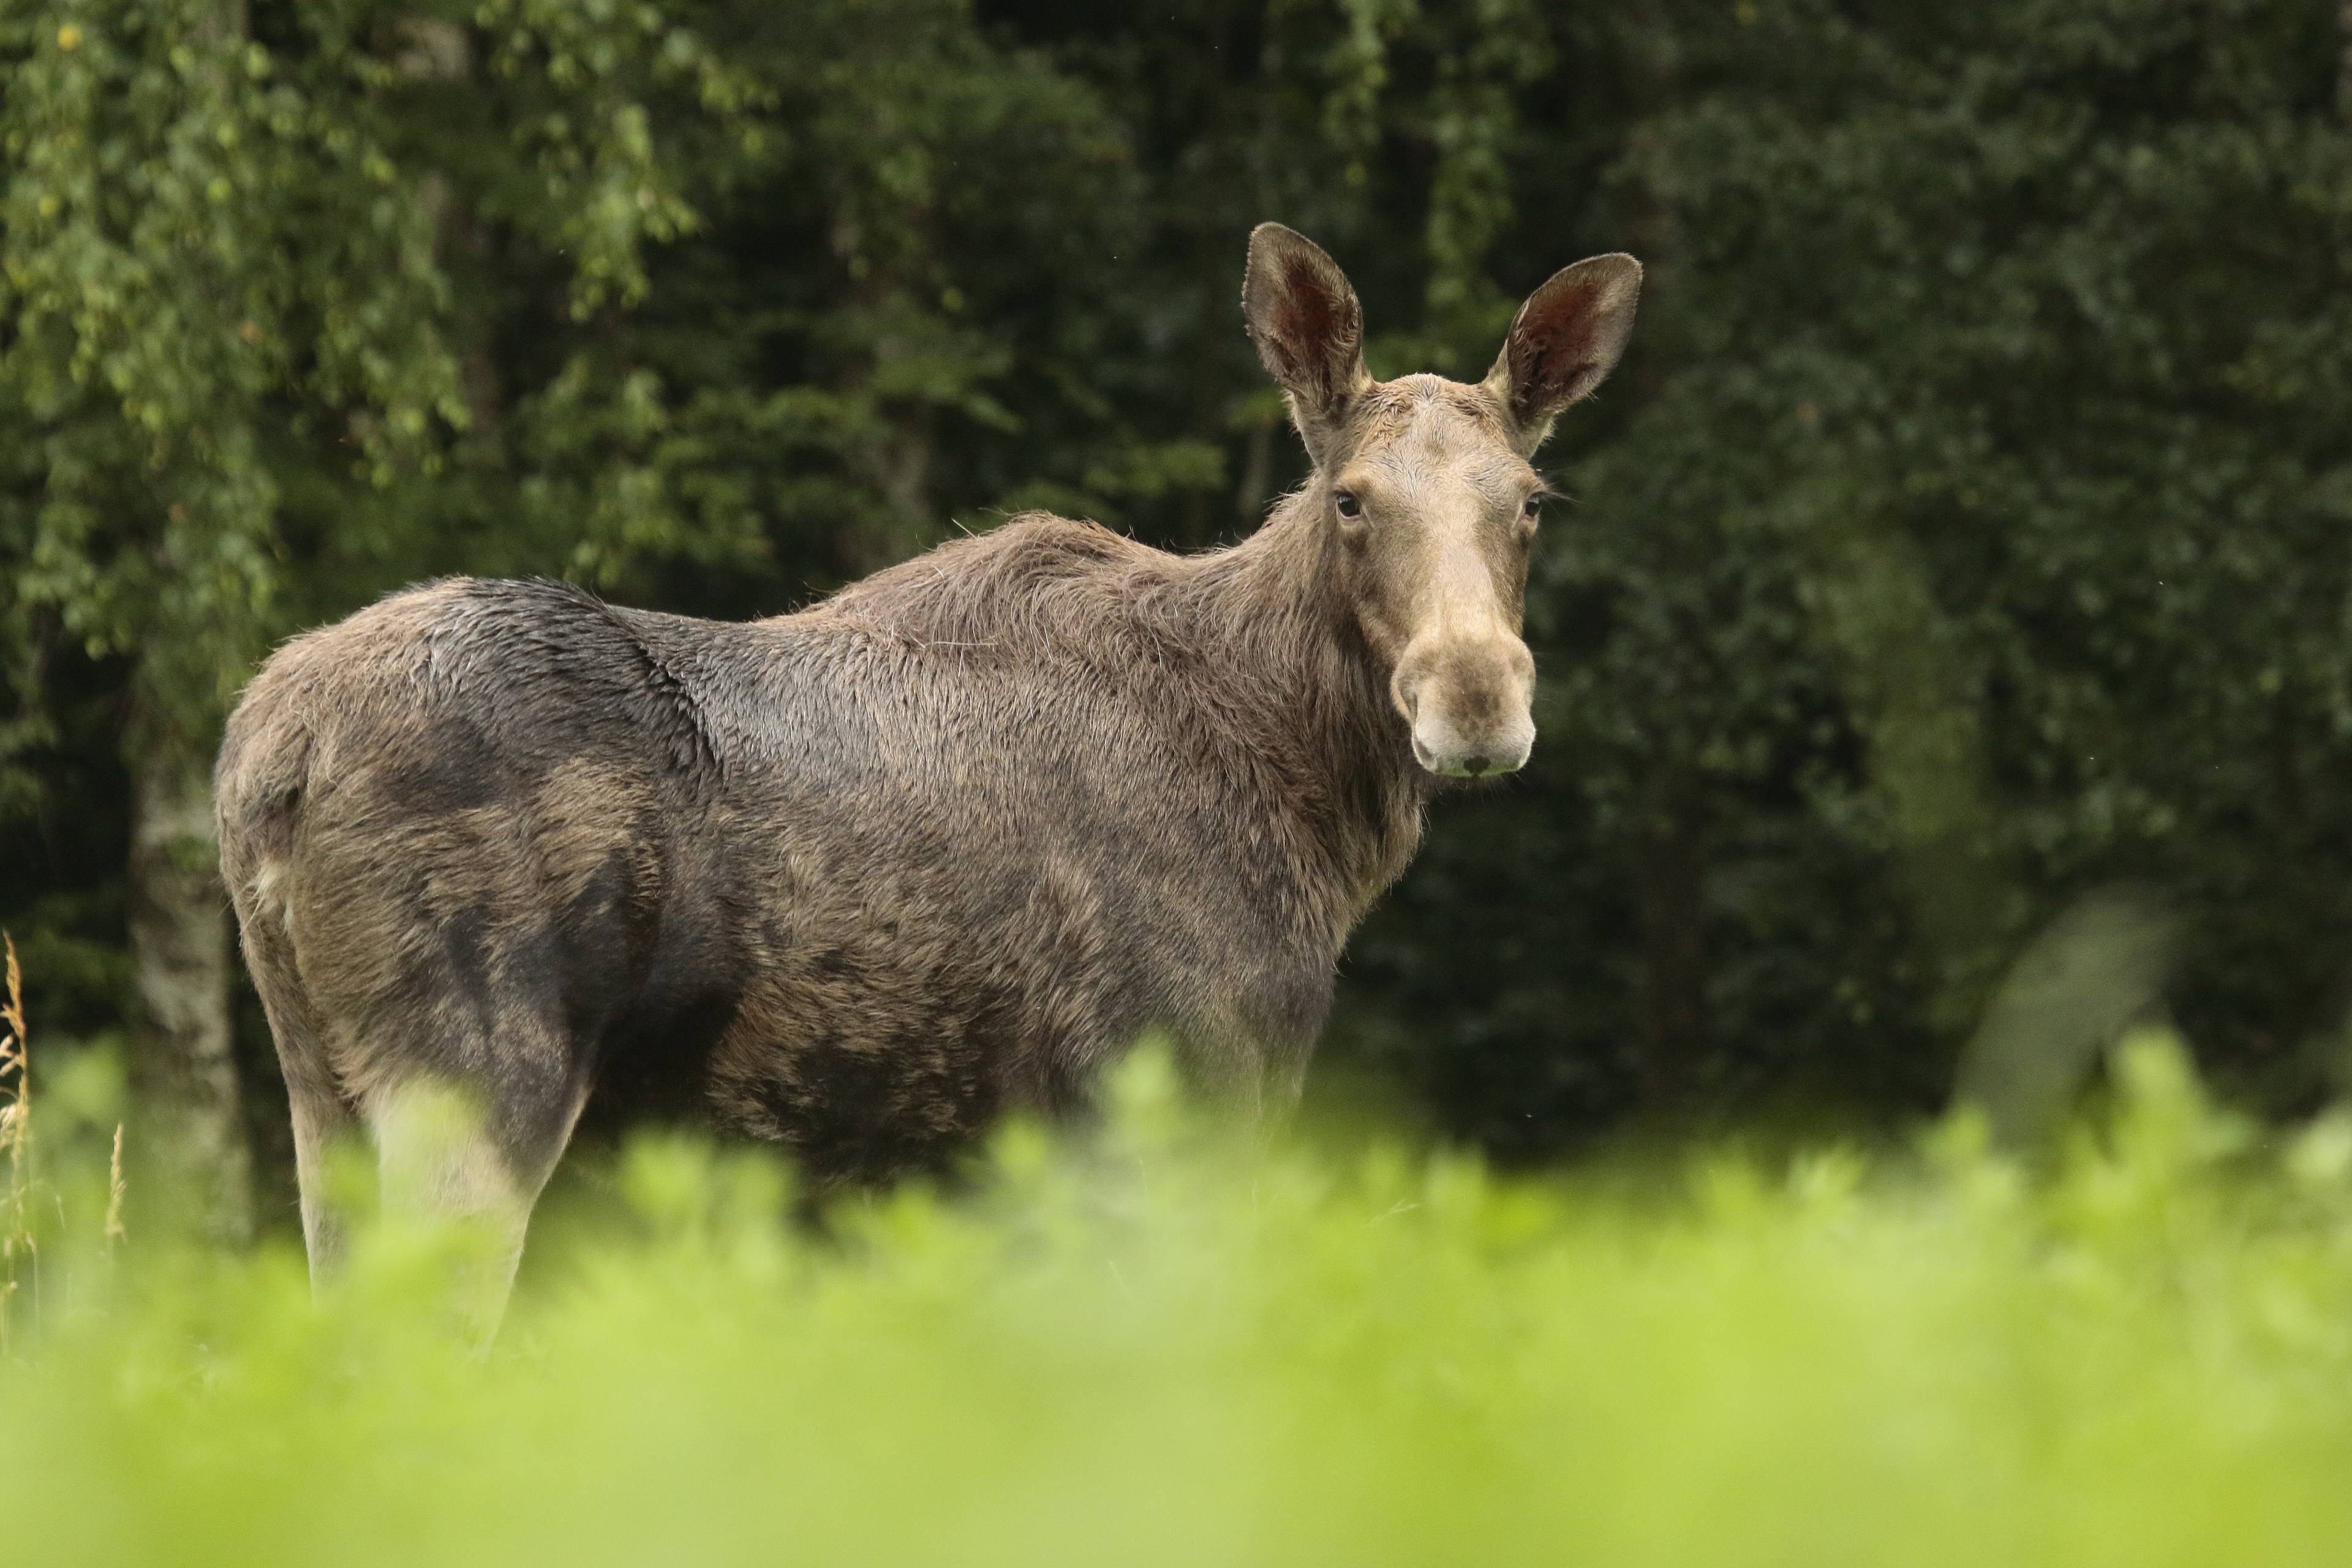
<point>859,878</point>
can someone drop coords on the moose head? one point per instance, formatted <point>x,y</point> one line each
<point>1428,485</point>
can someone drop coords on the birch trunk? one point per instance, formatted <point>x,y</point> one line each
<point>188,1114</point>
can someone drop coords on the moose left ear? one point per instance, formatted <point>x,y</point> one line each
<point>1565,342</point>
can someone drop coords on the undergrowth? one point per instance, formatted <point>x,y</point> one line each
<point>1161,1345</point>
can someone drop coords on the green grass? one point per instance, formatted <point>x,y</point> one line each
<point>1164,1348</point>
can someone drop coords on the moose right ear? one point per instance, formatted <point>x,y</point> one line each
<point>1308,329</point>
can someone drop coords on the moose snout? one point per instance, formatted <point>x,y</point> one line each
<point>1470,703</point>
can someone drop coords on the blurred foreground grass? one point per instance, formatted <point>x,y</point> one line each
<point>1160,1346</point>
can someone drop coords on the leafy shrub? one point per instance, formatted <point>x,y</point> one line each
<point>1157,1344</point>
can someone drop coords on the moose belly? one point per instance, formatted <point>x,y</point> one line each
<point>893,1011</point>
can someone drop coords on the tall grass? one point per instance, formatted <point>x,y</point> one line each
<point>19,1259</point>
<point>1160,1346</point>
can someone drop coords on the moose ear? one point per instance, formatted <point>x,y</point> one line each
<point>1308,329</point>
<point>1565,342</point>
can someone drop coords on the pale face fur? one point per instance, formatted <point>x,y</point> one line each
<point>1428,485</point>
<point>1438,512</point>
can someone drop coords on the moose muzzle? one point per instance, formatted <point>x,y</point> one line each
<point>1470,702</point>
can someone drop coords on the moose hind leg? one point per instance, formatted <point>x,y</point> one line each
<point>323,1126</point>
<point>477,1153</point>
<point>325,1123</point>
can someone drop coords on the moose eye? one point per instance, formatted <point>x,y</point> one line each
<point>1347,503</point>
<point>1532,508</point>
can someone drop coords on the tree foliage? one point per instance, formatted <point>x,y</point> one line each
<point>1976,540</point>
<point>1966,533</point>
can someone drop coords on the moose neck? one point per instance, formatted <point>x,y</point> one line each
<point>1252,649</point>
<point>1312,706</point>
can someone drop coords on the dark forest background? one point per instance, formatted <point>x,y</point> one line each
<point>1962,546</point>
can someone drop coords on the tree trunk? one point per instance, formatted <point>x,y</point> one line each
<point>897,464</point>
<point>187,1112</point>
<point>1671,898</point>
<point>893,462</point>
<point>2344,60</point>
<point>1671,885</point>
<point>430,50</point>
<point>1257,466</point>
<point>1915,693</point>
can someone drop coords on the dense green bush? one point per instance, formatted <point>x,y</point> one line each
<point>1157,1345</point>
<point>1965,534</point>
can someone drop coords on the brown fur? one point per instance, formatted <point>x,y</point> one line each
<point>861,877</point>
